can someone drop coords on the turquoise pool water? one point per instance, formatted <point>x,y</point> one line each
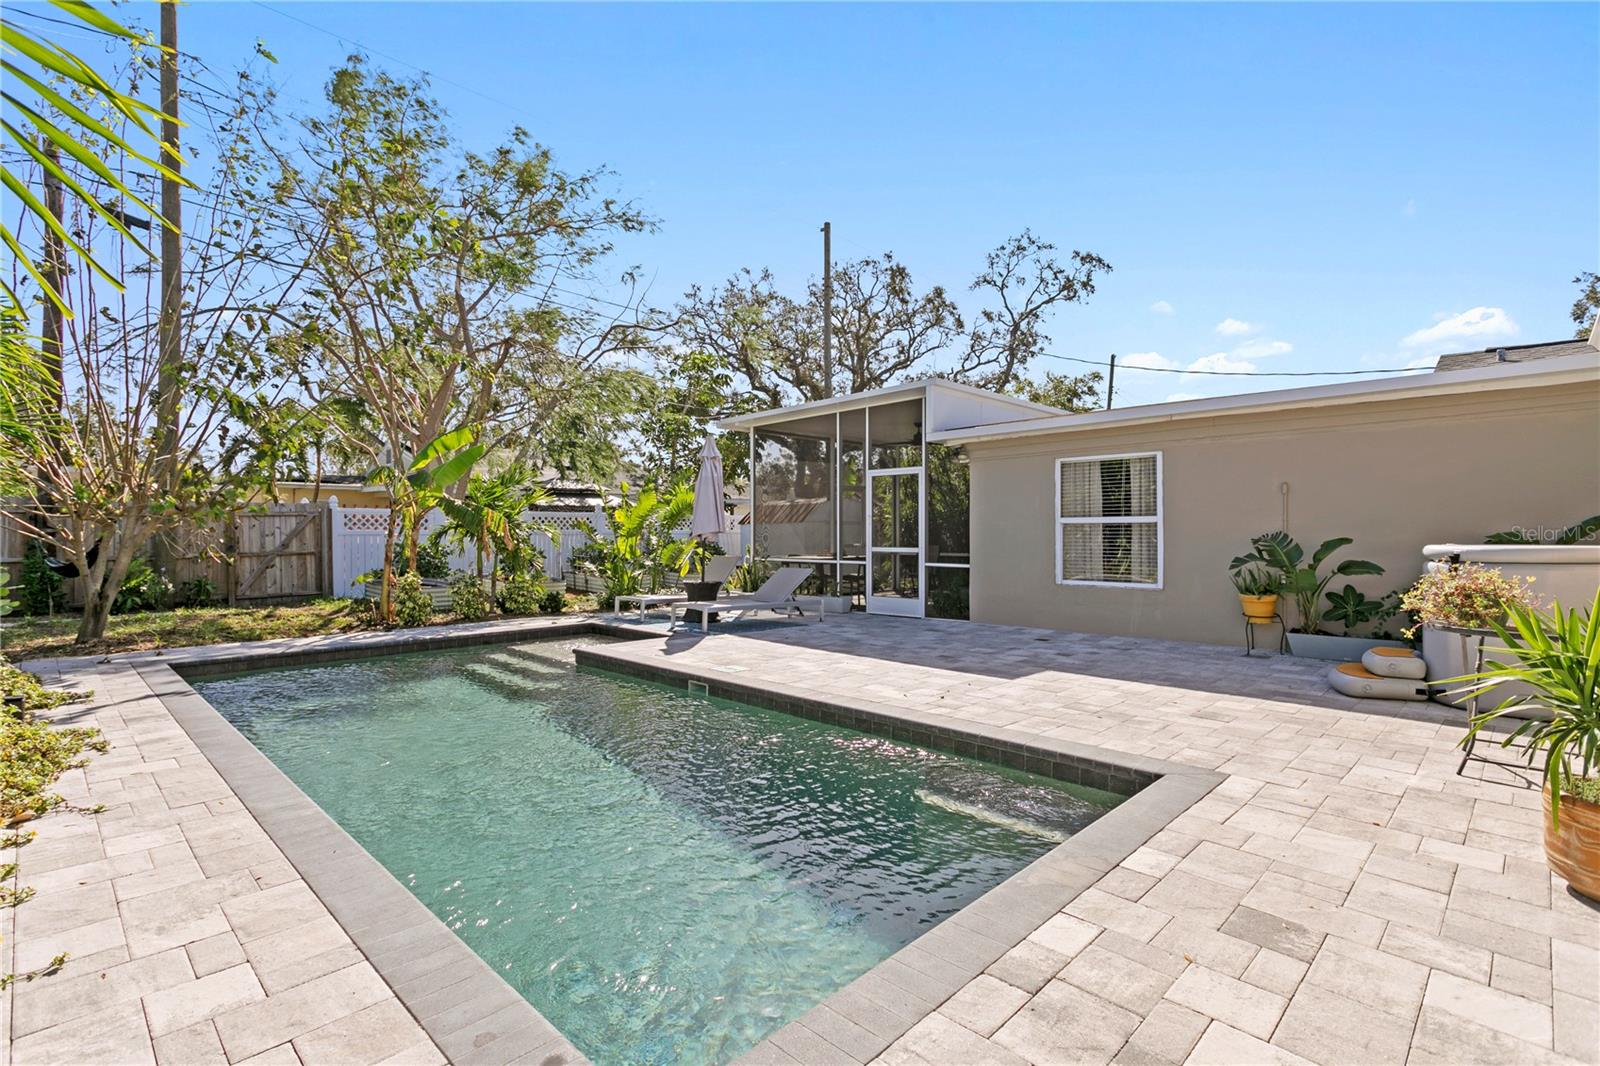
<point>667,877</point>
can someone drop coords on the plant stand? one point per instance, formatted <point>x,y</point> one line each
<point>1250,632</point>
<point>1472,704</point>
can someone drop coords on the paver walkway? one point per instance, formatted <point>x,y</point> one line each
<point>192,940</point>
<point>1342,898</point>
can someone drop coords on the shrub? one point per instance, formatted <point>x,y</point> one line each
<point>1468,595</point>
<point>41,591</point>
<point>521,594</point>
<point>433,557</point>
<point>412,605</point>
<point>32,756</point>
<point>35,697</point>
<point>468,598</point>
<point>554,601</point>
<point>197,592</point>
<point>144,588</point>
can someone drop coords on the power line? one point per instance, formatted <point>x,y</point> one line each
<point>344,39</point>
<point>1239,373</point>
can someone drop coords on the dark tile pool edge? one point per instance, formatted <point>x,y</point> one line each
<point>414,952</point>
<point>861,1020</point>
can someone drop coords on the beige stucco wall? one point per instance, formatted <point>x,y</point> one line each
<point>1394,475</point>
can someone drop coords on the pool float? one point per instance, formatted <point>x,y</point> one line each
<point>1394,662</point>
<point>1353,679</point>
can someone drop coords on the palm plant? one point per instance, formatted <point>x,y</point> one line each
<point>418,487</point>
<point>1302,580</point>
<point>640,545</point>
<point>1557,657</point>
<point>493,516</point>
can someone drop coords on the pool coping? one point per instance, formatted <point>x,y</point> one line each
<point>418,956</point>
<point>415,953</point>
<point>861,1020</point>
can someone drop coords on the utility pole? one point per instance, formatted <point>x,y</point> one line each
<point>827,309</point>
<point>1111,381</point>
<point>169,341</point>
<point>55,276</point>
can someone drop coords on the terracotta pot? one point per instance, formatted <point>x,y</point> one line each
<point>1573,851</point>
<point>1258,608</point>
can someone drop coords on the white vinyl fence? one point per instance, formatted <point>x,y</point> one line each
<point>358,535</point>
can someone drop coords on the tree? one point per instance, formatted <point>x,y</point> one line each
<point>1587,306</point>
<point>1025,281</point>
<point>689,391</point>
<point>94,488</point>
<point>433,270</point>
<point>884,328</point>
<point>1070,392</point>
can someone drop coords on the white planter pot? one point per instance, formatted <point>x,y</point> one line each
<point>1336,649</point>
<point>828,604</point>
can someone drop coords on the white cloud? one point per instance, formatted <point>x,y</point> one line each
<point>1179,397</point>
<point>1422,363</point>
<point>1233,327</point>
<point>1161,307</point>
<point>1222,361</point>
<point>1411,208</point>
<point>1147,360</point>
<point>1473,326</point>
<point>1258,348</point>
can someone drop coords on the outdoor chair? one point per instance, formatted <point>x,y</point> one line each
<point>718,568</point>
<point>777,593</point>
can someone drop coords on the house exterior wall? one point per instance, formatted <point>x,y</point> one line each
<point>1395,475</point>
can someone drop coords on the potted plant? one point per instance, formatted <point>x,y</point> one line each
<point>1258,593</point>
<point>1550,666</point>
<point>1456,606</point>
<point>1304,581</point>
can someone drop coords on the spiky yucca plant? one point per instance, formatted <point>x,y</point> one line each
<point>1557,655</point>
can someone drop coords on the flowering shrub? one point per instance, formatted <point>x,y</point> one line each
<point>1468,595</point>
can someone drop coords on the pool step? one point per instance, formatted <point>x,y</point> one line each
<point>508,682</point>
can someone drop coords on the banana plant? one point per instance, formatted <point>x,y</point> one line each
<point>418,487</point>
<point>1303,580</point>
<point>492,515</point>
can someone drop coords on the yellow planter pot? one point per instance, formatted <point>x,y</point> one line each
<point>1258,608</point>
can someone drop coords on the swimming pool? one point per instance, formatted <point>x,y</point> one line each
<point>666,877</point>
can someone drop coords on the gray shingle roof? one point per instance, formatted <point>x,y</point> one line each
<point>1520,353</point>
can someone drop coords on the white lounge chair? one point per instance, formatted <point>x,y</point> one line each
<point>718,568</point>
<point>775,594</point>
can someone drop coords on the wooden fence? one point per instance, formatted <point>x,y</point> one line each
<point>278,555</point>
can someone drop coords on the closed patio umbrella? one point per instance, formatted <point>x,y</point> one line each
<point>709,518</point>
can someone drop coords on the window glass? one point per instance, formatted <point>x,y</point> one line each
<point>1109,523</point>
<point>896,431</point>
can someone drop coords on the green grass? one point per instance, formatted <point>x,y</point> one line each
<point>42,637</point>
<point>45,637</point>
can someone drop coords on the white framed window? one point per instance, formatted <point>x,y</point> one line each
<point>1108,521</point>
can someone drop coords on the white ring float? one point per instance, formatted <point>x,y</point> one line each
<point>1394,662</point>
<point>1353,679</point>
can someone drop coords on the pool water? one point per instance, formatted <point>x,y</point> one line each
<point>666,877</point>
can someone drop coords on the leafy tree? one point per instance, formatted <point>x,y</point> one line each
<point>433,271</point>
<point>94,489</point>
<point>1587,306</point>
<point>1025,281</point>
<point>689,391</point>
<point>884,328</point>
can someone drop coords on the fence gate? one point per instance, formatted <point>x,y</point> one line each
<point>279,553</point>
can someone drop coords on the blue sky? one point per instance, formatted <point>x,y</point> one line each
<point>1278,187</point>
